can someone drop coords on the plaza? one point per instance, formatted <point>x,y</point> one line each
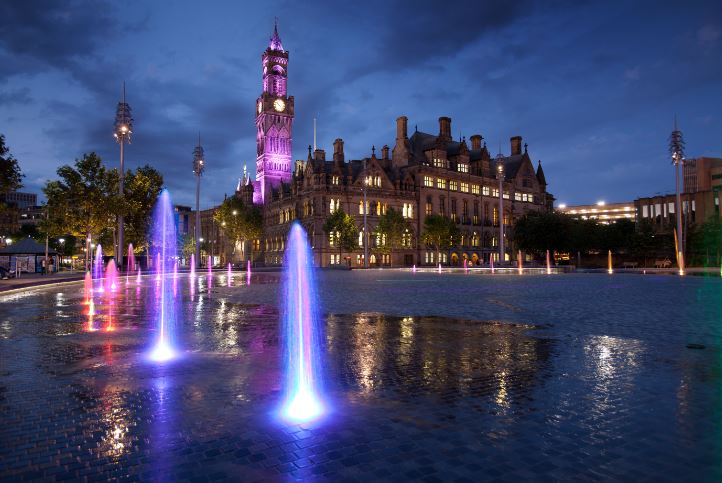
<point>427,376</point>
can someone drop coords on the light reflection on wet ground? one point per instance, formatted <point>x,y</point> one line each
<point>541,389</point>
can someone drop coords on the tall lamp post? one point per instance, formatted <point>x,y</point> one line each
<point>500,177</point>
<point>198,167</point>
<point>365,238</point>
<point>676,149</point>
<point>123,130</point>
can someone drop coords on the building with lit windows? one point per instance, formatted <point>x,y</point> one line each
<point>601,211</point>
<point>420,175</point>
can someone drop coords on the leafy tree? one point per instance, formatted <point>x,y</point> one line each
<point>142,189</point>
<point>440,233</point>
<point>189,246</point>
<point>343,231</point>
<point>239,221</point>
<point>10,175</point>
<point>78,203</point>
<point>538,232</point>
<point>391,229</point>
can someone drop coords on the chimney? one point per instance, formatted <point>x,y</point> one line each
<point>515,145</point>
<point>401,124</point>
<point>385,152</point>
<point>445,128</point>
<point>475,141</point>
<point>319,155</point>
<point>338,157</point>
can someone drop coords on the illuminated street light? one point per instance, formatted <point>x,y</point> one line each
<point>123,131</point>
<point>500,177</point>
<point>198,168</point>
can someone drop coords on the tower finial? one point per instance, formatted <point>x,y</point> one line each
<point>275,43</point>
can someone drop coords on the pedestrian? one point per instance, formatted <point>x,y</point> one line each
<point>42,267</point>
<point>51,266</point>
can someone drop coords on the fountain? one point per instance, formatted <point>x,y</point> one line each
<point>520,262</point>
<point>609,263</point>
<point>229,274</point>
<point>111,277</point>
<point>210,265</point>
<point>137,277</point>
<point>491,263</point>
<point>413,268</point>
<point>193,265</point>
<point>248,272</point>
<point>158,268</point>
<point>466,266</point>
<point>131,258</point>
<point>88,287</point>
<point>301,332</point>
<point>98,268</point>
<point>439,269</point>
<point>164,244</point>
<point>549,265</point>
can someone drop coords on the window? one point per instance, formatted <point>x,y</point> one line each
<point>475,189</point>
<point>335,259</point>
<point>361,238</point>
<point>429,181</point>
<point>332,237</point>
<point>334,205</point>
<point>495,219</point>
<point>463,167</point>
<point>464,187</point>
<point>361,207</point>
<point>429,207</point>
<point>506,195</point>
<point>495,193</point>
<point>438,163</point>
<point>442,206</point>
<point>453,185</point>
<point>517,196</point>
<point>485,192</point>
<point>453,209</point>
<point>380,208</point>
<point>406,239</point>
<point>335,180</point>
<point>407,210</point>
<point>465,209</point>
<point>441,183</point>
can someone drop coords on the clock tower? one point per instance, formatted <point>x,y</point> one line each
<point>274,122</point>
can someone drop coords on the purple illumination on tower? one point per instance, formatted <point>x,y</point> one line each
<point>274,122</point>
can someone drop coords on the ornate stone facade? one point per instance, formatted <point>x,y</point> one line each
<point>424,174</point>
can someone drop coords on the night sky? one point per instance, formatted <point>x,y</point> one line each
<point>593,87</point>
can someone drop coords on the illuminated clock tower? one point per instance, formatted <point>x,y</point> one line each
<point>274,122</point>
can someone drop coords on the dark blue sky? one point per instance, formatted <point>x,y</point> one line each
<point>591,86</point>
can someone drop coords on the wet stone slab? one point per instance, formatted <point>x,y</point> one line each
<point>427,398</point>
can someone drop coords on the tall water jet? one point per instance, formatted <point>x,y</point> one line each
<point>158,267</point>
<point>88,287</point>
<point>439,269</point>
<point>520,262</point>
<point>137,277</point>
<point>466,266</point>
<point>549,265</point>
<point>609,262</point>
<point>131,258</point>
<point>301,334</point>
<point>98,268</point>
<point>248,272</point>
<point>111,277</point>
<point>193,265</point>
<point>210,265</point>
<point>413,268</point>
<point>491,263</point>
<point>164,245</point>
<point>229,274</point>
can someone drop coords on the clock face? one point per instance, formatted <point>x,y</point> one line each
<point>259,107</point>
<point>279,105</point>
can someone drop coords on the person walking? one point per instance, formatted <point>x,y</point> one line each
<point>42,267</point>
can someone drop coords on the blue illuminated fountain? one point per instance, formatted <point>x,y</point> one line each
<point>301,332</point>
<point>163,247</point>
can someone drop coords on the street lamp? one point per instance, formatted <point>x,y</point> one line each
<point>676,149</point>
<point>500,177</point>
<point>123,130</point>
<point>198,167</point>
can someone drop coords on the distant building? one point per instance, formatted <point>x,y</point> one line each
<point>183,215</point>
<point>601,211</point>
<point>31,215</point>
<point>19,199</point>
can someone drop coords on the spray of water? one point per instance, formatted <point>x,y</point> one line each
<point>301,332</point>
<point>164,245</point>
<point>98,268</point>
<point>248,272</point>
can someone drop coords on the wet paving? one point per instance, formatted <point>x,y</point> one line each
<point>430,378</point>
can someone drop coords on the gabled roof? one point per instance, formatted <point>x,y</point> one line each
<point>26,246</point>
<point>540,175</point>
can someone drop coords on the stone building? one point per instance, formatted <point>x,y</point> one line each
<point>421,174</point>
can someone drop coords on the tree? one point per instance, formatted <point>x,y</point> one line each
<point>440,233</point>
<point>391,229</point>
<point>342,230</point>
<point>239,221</point>
<point>142,189</point>
<point>78,203</point>
<point>10,175</point>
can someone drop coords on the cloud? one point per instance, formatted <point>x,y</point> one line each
<point>15,96</point>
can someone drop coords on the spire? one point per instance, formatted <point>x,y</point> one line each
<point>540,175</point>
<point>275,43</point>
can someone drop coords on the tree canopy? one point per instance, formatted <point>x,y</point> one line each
<point>391,230</point>
<point>342,230</point>
<point>10,175</point>
<point>440,233</point>
<point>239,221</point>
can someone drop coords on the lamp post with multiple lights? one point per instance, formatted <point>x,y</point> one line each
<point>123,130</point>
<point>198,167</point>
<point>676,149</point>
<point>500,177</point>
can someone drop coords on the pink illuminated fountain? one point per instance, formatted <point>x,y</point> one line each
<point>610,270</point>
<point>193,265</point>
<point>137,277</point>
<point>210,265</point>
<point>158,268</point>
<point>549,265</point>
<point>439,269</point>
<point>491,263</point>
<point>302,338</point>
<point>111,277</point>
<point>229,275</point>
<point>98,269</point>
<point>88,287</point>
<point>131,258</point>
<point>248,272</point>
<point>520,263</point>
<point>413,268</point>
